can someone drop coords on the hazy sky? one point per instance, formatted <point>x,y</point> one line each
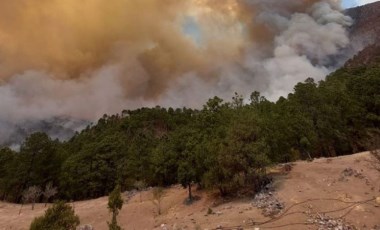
<point>82,59</point>
<point>352,3</point>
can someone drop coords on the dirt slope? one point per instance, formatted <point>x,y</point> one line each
<point>331,181</point>
<point>366,27</point>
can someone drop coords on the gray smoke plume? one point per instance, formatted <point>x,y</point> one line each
<point>82,59</point>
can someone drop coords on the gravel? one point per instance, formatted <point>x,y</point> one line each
<point>268,203</point>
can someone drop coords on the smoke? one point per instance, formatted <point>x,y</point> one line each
<point>85,58</point>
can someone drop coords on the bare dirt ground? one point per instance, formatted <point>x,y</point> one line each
<point>312,193</point>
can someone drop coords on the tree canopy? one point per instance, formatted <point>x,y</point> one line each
<point>223,146</point>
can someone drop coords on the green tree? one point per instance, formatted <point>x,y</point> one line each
<point>38,162</point>
<point>115,203</point>
<point>95,166</point>
<point>187,175</point>
<point>60,216</point>
<point>7,165</point>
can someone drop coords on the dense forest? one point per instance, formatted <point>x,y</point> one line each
<point>224,146</point>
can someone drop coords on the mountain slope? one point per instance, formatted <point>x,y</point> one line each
<point>366,27</point>
<point>364,35</point>
<point>346,179</point>
<point>367,57</point>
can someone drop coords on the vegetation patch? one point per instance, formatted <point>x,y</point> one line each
<point>225,146</point>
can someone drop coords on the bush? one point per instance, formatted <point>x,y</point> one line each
<point>158,195</point>
<point>59,217</point>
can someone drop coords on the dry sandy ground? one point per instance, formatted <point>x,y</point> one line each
<point>321,179</point>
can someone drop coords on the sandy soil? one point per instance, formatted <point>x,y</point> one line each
<point>321,180</point>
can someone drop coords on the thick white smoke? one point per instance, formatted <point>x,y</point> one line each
<point>234,46</point>
<point>301,49</point>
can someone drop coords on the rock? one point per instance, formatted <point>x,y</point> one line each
<point>378,200</point>
<point>269,204</point>
<point>348,172</point>
<point>325,222</point>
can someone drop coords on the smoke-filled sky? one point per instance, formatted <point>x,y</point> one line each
<point>85,58</point>
<point>353,3</point>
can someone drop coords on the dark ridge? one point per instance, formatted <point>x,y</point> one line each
<point>62,128</point>
<point>369,56</point>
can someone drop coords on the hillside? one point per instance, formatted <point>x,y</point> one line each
<point>366,27</point>
<point>62,128</point>
<point>364,35</point>
<point>225,146</point>
<point>229,148</point>
<point>367,57</point>
<point>336,183</point>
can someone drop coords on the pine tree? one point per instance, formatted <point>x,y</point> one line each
<point>115,203</point>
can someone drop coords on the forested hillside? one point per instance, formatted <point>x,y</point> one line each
<point>224,146</point>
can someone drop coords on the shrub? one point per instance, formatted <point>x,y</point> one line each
<point>60,216</point>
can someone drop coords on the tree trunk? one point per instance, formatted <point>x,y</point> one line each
<point>223,191</point>
<point>159,207</point>
<point>190,195</point>
<point>19,213</point>
<point>308,154</point>
<point>26,179</point>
